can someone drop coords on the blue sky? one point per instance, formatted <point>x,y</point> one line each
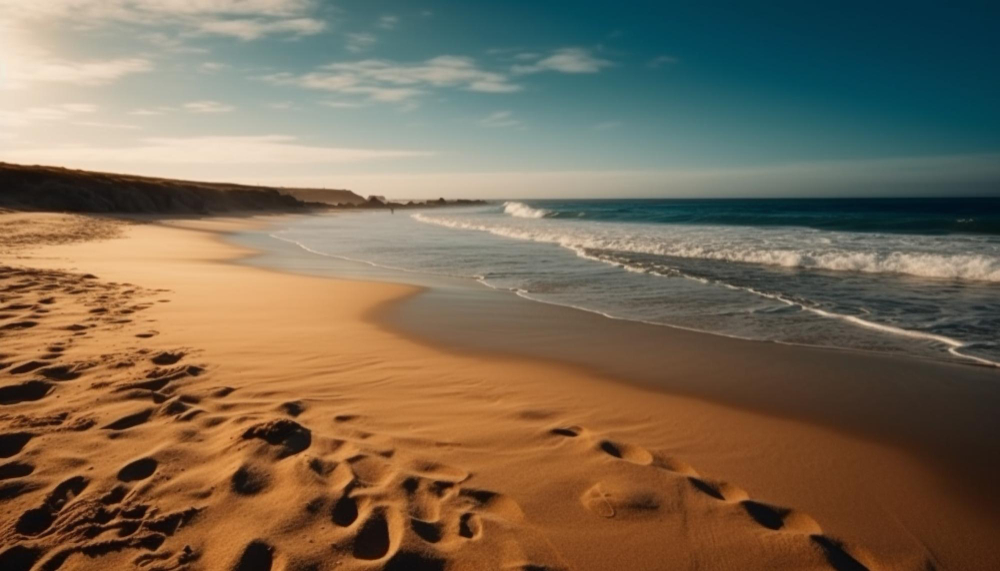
<point>512,98</point>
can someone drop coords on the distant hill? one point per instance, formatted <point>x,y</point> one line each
<point>24,187</point>
<point>332,196</point>
<point>53,188</point>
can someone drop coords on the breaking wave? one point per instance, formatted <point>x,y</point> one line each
<point>791,248</point>
<point>522,210</point>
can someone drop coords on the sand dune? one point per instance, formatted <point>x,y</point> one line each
<point>163,409</point>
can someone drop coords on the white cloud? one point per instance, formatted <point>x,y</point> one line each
<point>244,19</point>
<point>388,22</point>
<point>660,61</point>
<point>208,106</point>
<point>212,67</point>
<point>26,68</point>
<point>566,60</point>
<point>145,10</point>
<point>143,111</point>
<point>382,80</point>
<point>31,115</point>
<point>342,104</point>
<point>210,150</point>
<point>253,28</point>
<point>172,43</point>
<point>360,42</point>
<point>500,119</point>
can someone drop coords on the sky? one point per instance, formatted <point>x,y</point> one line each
<point>512,98</point>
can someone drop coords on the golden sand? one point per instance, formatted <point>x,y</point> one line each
<point>164,408</point>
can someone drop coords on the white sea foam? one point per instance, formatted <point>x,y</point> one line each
<point>931,257</point>
<point>522,210</point>
<point>659,250</point>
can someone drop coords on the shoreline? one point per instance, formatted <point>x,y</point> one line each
<point>409,316</point>
<point>869,395</point>
<point>583,473</point>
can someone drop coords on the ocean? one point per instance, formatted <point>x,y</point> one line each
<point>918,277</point>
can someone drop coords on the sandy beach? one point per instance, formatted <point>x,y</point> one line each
<point>163,407</point>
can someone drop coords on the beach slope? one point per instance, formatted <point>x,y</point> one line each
<point>164,408</point>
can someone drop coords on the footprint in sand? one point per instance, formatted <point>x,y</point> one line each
<point>129,421</point>
<point>346,510</point>
<point>470,526</point>
<point>595,500</point>
<point>293,408</point>
<point>379,535</point>
<point>779,518</point>
<point>568,431</point>
<point>18,325</point>
<point>250,479</point>
<point>63,372</point>
<point>167,358</point>
<point>27,367</point>
<point>13,443</point>
<point>138,470</point>
<point>721,491</point>
<point>490,502</point>
<point>424,502</point>
<point>291,436</point>
<point>431,532</point>
<point>36,521</point>
<point>222,392</point>
<point>628,452</point>
<point>20,558</point>
<point>15,470</point>
<point>24,392</point>
<point>256,556</point>
<point>837,556</point>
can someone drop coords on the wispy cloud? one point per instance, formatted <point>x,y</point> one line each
<point>500,119</point>
<point>209,150</point>
<point>25,69</point>
<point>31,115</point>
<point>208,106</point>
<point>388,22</point>
<point>212,67</point>
<point>388,81</point>
<point>172,42</point>
<point>564,60</point>
<point>254,28</point>
<point>342,104</point>
<point>360,42</point>
<point>244,19</point>
<point>660,61</point>
<point>146,111</point>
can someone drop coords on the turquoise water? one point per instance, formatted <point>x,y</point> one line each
<point>918,277</point>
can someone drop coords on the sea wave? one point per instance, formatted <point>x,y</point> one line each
<point>522,210</point>
<point>829,251</point>
<point>953,346</point>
